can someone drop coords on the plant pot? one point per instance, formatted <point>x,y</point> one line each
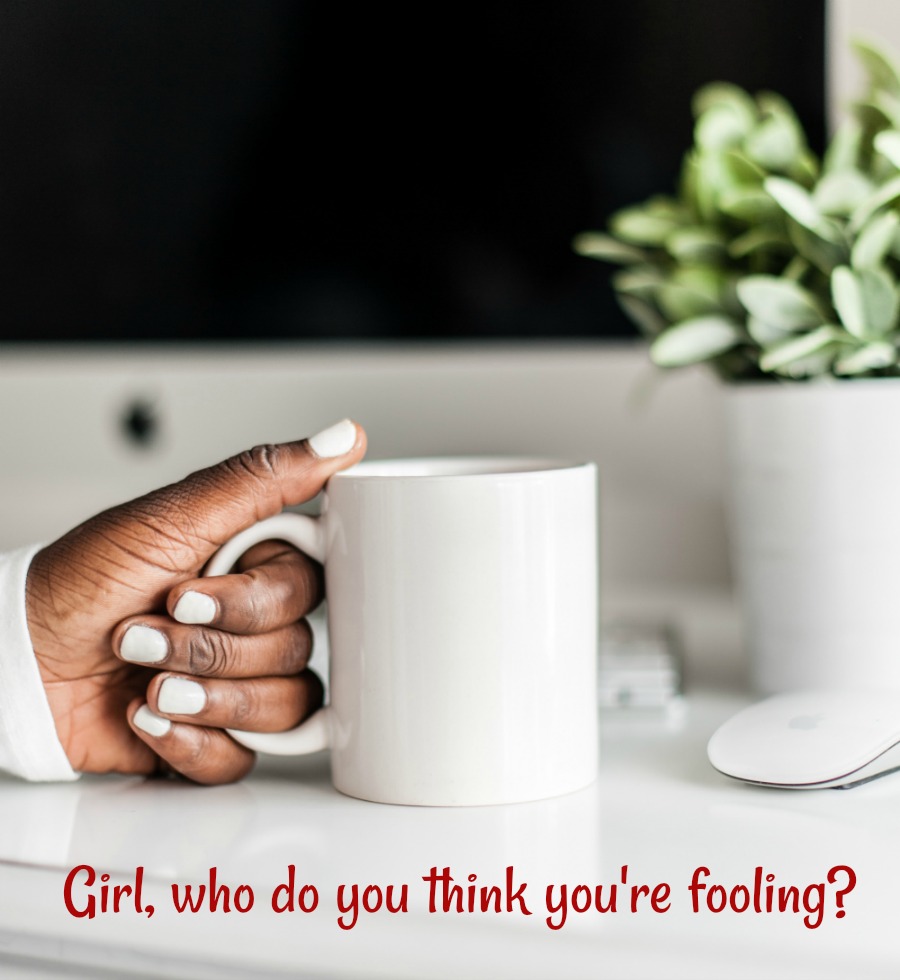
<point>814,518</point>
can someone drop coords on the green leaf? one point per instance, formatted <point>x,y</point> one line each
<point>679,302</point>
<point>642,314</point>
<point>882,302</point>
<point>866,301</point>
<point>691,291</point>
<point>871,357</point>
<point>639,225</point>
<point>782,303</point>
<point>664,207</point>
<point>875,240</point>
<point>641,280</point>
<point>773,104</point>
<point>687,184</point>
<point>758,239</point>
<point>887,142</point>
<point>694,340</point>
<point>813,366</point>
<point>841,193</point>
<point>872,117</point>
<point>823,255</point>
<point>797,202</point>
<point>721,126</point>
<point>713,179</point>
<point>796,269</point>
<point>742,168</point>
<point>775,143</point>
<point>884,195</point>
<point>696,244</point>
<point>805,169</point>
<point>889,104</point>
<point>843,150</point>
<point>823,339</point>
<point>881,70</point>
<point>846,294</point>
<point>750,204</point>
<point>718,93</point>
<point>764,333</point>
<point>595,245</point>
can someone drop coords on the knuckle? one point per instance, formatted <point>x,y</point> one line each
<point>261,463</point>
<point>198,751</point>
<point>245,707</point>
<point>201,759</point>
<point>299,649</point>
<point>209,653</point>
<point>281,587</point>
<point>307,583</point>
<point>254,612</point>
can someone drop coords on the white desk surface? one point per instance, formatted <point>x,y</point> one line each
<point>657,807</point>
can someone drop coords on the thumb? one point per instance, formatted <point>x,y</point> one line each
<point>213,504</point>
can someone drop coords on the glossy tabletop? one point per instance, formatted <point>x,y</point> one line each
<point>656,814</point>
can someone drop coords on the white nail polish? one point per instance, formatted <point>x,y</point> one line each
<point>143,645</point>
<point>178,696</point>
<point>150,722</point>
<point>334,441</point>
<point>195,607</point>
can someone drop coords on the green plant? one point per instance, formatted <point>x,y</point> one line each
<point>768,262</point>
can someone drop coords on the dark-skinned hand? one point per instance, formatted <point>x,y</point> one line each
<point>104,603</point>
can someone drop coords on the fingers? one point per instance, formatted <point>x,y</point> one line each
<point>277,586</point>
<point>243,672</point>
<point>191,740</point>
<point>157,641</point>
<point>249,625</point>
<point>254,625</point>
<point>215,503</point>
<point>205,755</point>
<point>259,704</point>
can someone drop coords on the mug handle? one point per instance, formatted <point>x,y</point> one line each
<point>307,534</point>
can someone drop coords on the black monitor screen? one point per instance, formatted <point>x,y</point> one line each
<point>272,169</point>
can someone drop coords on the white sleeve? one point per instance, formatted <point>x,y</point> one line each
<point>29,745</point>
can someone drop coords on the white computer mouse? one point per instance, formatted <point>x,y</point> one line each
<point>811,739</point>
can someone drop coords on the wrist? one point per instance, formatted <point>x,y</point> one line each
<point>30,743</point>
<point>38,616</point>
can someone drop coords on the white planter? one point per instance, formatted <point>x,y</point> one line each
<point>814,514</point>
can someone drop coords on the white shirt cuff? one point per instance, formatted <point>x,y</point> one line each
<point>29,745</point>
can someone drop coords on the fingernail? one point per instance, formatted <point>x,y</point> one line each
<point>178,696</point>
<point>150,722</point>
<point>143,645</point>
<point>334,441</point>
<point>195,607</point>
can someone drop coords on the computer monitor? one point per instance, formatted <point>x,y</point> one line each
<point>274,170</point>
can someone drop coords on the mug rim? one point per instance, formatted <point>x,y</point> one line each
<point>458,467</point>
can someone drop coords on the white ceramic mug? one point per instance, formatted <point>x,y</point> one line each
<point>462,624</point>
